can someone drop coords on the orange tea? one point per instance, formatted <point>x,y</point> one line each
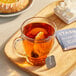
<point>39,41</point>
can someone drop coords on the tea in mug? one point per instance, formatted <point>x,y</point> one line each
<point>39,41</point>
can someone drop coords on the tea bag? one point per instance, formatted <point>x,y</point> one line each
<point>39,35</point>
<point>37,46</point>
<point>41,46</point>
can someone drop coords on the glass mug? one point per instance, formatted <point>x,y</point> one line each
<point>37,36</point>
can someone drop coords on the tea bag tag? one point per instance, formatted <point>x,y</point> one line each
<point>50,62</point>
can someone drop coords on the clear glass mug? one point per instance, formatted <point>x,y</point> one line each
<point>36,45</point>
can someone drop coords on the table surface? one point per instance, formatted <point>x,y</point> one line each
<point>8,26</point>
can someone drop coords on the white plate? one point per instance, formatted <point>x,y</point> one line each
<point>17,13</point>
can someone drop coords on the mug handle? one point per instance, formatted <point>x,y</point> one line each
<point>16,40</point>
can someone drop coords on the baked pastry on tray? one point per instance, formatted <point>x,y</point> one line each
<point>12,6</point>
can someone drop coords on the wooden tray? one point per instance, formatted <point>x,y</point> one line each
<point>65,60</point>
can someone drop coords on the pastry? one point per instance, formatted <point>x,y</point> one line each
<point>12,6</point>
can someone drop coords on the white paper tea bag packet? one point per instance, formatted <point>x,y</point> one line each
<point>66,11</point>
